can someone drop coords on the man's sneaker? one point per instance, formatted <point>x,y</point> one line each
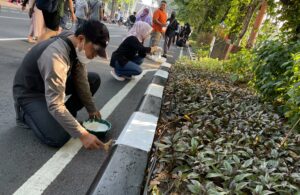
<point>128,77</point>
<point>113,73</point>
<point>164,56</point>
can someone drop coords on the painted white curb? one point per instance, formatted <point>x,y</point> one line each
<point>155,90</point>
<point>162,73</point>
<point>165,64</point>
<point>139,131</point>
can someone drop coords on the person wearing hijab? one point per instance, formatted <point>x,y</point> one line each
<point>126,60</point>
<point>144,16</point>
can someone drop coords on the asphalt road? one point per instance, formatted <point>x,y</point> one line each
<point>25,163</point>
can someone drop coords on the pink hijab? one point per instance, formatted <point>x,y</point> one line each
<point>140,30</point>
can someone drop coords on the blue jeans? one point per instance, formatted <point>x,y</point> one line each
<point>36,115</point>
<point>130,68</point>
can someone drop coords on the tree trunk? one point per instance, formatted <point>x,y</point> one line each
<point>113,9</point>
<point>250,11</point>
<point>257,24</point>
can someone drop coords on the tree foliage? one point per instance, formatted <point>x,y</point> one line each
<point>238,15</point>
<point>290,15</point>
<point>203,15</point>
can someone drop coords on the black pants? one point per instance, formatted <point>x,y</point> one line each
<point>45,127</point>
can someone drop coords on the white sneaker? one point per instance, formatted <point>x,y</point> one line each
<point>112,72</point>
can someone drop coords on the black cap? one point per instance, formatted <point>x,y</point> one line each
<point>96,32</point>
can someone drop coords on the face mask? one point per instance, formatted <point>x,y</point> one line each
<point>81,56</point>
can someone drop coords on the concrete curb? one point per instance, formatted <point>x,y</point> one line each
<point>124,170</point>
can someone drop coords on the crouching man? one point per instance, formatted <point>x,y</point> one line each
<point>53,69</point>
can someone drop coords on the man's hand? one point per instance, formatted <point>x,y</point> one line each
<point>90,141</point>
<point>95,115</point>
<point>74,18</point>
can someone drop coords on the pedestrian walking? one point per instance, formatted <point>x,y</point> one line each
<point>159,21</point>
<point>37,25</point>
<point>95,10</point>
<point>170,33</point>
<point>144,16</point>
<point>127,59</point>
<point>53,69</point>
<point>81,12</point>
<point>131,20</point>
<point>67,13</point>
<point>52,17</point>
<point>184,35</point>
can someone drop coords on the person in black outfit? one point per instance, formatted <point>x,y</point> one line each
<point>131,20</point>
<point>126,60</point>
<point>170,33</point>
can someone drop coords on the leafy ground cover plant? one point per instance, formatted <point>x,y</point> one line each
<point>215,137</point>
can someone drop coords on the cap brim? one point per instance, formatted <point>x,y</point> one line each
<point>102,53</point>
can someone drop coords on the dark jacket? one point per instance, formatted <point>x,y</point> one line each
<point>128,49</point>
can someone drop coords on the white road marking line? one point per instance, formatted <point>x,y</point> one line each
<point>41,179</point>
<point>139,131</point>
<point>114,36</point>
<point>14,18</point>
<point>16,39</point>
<point>12,39</point>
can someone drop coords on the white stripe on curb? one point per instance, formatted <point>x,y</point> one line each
<point>165,64</point>
<point>162,73</point>
<point>41,179</point>
<point>139,131</point>
<point>155,90</point>
<point>181,50</point>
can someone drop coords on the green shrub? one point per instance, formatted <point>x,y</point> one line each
<point>277,75</point>
<point>292,107</point>
<point>240,65</point>
<point>203,62</point>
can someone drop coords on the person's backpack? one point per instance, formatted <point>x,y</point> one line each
<point>47,5</point>
<point>180,42</point>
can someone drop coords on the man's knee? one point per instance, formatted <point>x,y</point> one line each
<point>57,142</point>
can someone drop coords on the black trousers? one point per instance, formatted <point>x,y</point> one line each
<point>45,127</point>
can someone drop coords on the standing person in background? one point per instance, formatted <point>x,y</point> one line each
<point>120,17</point>
<point>131,20</point>
<point>66,12</point>
<point>159,21</point>
<point>177,32</point>
<point>37,26</point>
<point>144,17</point>
<point>81,12</point>
<point>170,33</point>
<point>185,32</point>
<point>51,19</point>
<point>95,10</point>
